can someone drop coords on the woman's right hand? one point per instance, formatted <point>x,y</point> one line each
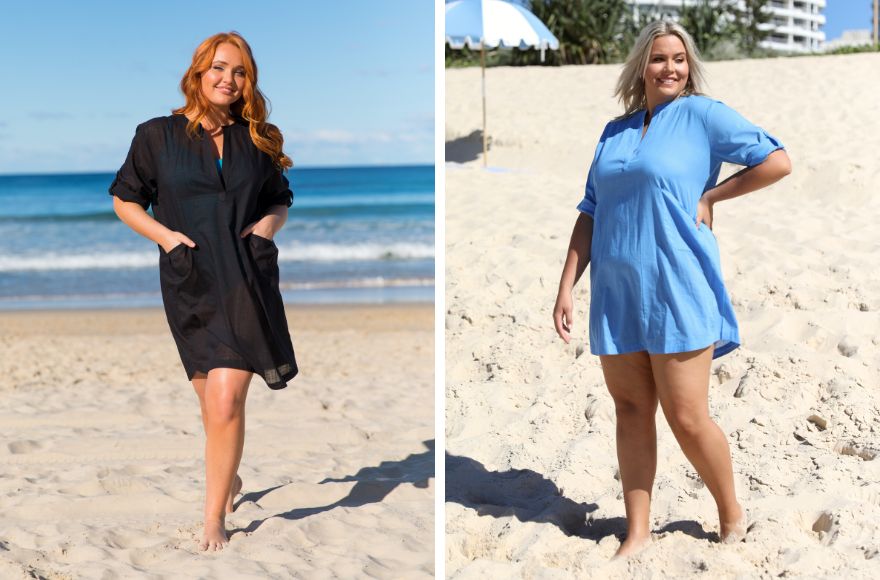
<point>576,260</point>
<point>562,314</point>
<point>174,239</point>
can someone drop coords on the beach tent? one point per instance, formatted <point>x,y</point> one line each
<point>482,24</point>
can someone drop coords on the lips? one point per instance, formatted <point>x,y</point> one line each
<point>225,91</point>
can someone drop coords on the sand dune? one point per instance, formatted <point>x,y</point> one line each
<point>102,451</point>
<point>531,488</point>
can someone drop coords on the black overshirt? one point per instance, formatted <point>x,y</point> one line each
<point>221,298</point>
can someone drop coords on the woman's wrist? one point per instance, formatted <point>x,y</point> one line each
<point>167,239</point>
<point>565,286</point>
<point>269,224</point>
<point>710,196</point>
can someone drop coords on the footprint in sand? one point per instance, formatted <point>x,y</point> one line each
<point>26,446</point>
<point>124,485</point>
<point>852,448</point>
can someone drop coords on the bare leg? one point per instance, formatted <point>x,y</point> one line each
<point>225,391</point>
<point>631,385</point>
<point>682,381</point>
<point>199,381</point>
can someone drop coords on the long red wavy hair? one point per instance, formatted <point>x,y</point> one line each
<point>251,106</point>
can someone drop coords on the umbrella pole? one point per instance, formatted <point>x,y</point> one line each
<point>483,71</point>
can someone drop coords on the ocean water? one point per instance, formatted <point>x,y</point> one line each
<point>353,235</point>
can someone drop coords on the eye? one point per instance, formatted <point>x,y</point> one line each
<point>218,68</point>
<point>240,73</point>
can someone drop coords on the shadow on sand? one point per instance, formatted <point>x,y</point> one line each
<point>372,485</point>
<point>530,497</point>
<point>467,148</point>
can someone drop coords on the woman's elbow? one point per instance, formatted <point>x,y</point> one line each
<point>122,208</point>
<point>117,205</point>
<point>781,162</point>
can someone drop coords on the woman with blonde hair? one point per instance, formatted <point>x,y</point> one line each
<point>212,171</point>
<point>659,312</point>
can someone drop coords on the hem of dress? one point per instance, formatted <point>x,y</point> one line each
<point>220,365</point>
<point>728,344</point>
<point>284,379</point>
<point>727,347</point>
<point>243,367</point>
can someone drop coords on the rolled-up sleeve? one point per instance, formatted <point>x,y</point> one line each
<point>136,179</point>
<point>588,203</point>
<point>275,190</point>
<point>734,139</point>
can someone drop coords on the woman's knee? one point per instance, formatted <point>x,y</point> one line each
<point>688,422</point>
<point>631,408</point>
<point>224,405</point>
<point>631,384</point>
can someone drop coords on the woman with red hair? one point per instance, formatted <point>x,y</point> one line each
<point>212,171</point>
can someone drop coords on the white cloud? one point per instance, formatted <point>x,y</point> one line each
<point>343,137</point>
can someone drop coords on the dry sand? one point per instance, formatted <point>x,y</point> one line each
<point>531,465</point>
<point>102,451</point>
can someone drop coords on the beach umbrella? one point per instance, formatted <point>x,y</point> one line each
<point>482,24</point>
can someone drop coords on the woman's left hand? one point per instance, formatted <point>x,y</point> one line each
<point>265,227</point>
<point>704,211</point>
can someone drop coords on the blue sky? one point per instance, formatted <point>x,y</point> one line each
<point>843,15</point>
<point>350,82</point>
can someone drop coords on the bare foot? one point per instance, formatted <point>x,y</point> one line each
<point>734,530</point>
<point>236,489</point>
<point>632,545</point>
<point>214,536</point>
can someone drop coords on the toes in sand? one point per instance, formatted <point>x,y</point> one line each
<point>632,546</point>
<point>214,536</point>
<point>734,532</point>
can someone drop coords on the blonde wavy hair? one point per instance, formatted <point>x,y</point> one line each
<point>630,88</point>
<point>251,106</point>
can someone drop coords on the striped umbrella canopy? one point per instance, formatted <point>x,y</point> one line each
<point>495,24</point>
<point>482,24</point>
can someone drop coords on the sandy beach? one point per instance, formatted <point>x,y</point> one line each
<point>102,455</point>
<point>532,487</point>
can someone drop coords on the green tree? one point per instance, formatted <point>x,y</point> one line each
<point>589,31</point>
<point>709,22</point>
<point>604,31</point>
<point>749,21</point>
<point>634,24</point>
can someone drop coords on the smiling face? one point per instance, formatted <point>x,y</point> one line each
<point>667,72</point>
<point>222,84</point>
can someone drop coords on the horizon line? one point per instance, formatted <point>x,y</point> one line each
<point>374,166</point>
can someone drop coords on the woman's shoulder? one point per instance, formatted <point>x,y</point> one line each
<point>156,125</point>
<point>617,124</point>
<point>701,104</point>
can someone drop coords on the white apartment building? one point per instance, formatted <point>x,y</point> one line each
<point>862,37</point>
<point>795,25</point>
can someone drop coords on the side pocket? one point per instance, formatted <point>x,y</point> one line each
<point>175,266</point>
<point>265,254</point>
<point>185,291</point>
